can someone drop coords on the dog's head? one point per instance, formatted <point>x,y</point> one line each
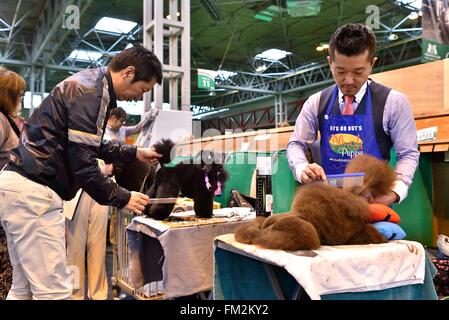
<point>215,175</point>
<point>166,148</point>
<point>379,177</point>
<point>134,176</point>
<point>166,185</point>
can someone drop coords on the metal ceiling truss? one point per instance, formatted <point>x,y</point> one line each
<point>49,22</point>
<point>255,119</point>
<point>246,88</point>
<point>48,35</point>
<point>299,85</point>
<point>9,32</point>
<point>92,41</point>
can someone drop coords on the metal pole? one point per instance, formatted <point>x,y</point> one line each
<point>173,52</point>
<point>185,55</point>
<point>32,87</point>
<point>43,83</point>
<point>158,37</point>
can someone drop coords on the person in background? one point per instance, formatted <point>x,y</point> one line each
<point>12,87</point>
<point>355,115</point>
<point>57,155</point>
<point>88,228</point>
<point>284,124</point>
<point>116,129</point>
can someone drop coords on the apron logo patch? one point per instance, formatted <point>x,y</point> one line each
<point>346,144</point>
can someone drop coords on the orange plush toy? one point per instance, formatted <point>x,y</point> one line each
<point>381,212</point>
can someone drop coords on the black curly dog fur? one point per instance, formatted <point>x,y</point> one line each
<point>187,178</point>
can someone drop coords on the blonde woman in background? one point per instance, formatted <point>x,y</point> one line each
<point>12,87</point>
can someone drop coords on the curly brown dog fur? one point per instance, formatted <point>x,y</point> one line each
<point>379,177</point>
<point>325,215</point>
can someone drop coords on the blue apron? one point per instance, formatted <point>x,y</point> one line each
<point>344,137</point>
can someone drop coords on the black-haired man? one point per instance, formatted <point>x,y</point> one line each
<point>57,156</point>
<point>355,115</point>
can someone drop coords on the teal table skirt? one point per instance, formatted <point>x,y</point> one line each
<point>238,277</point>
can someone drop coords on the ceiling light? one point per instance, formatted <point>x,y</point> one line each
<point>322,46</point>
<point>303,8</point>
<point>177,14</point>
<point>273,54</point>
<point>84,55</point>
<point>261,68</point>
<point>225,75</point>
<point>263,17</point>
<point>115,25</point>
<point>393,37</point>
<point>413,15</point>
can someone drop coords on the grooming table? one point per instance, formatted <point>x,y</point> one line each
<point>177,256</point>
<point>394,270</point>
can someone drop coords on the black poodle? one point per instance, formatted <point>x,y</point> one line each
<point>198,178</point>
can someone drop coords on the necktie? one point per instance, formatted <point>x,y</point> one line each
<point>348,109</point>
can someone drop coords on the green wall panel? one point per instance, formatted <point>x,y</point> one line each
<point>416,210</point>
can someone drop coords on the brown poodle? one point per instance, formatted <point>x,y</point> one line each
<point>325,215</point>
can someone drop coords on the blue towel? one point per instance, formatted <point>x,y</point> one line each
<point>390,230</point>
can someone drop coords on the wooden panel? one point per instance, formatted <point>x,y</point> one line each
<point>426,148</point>
<point>426,85</point>
<point>446,84</point>
<point>441,122</point>
<point>441,147</point>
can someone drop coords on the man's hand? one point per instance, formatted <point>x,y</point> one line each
<point>388,199</point>
<point>107,169</point>
<point>313,172</point>
<point>154,112</point>
<point>137,202</point>
<point>148,155</point>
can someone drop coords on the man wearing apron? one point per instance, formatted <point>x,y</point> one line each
<point>354,116</point>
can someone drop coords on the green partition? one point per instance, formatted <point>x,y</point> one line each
<point>284,184</point>
<point>241,166</point>
<point>416,210</point>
